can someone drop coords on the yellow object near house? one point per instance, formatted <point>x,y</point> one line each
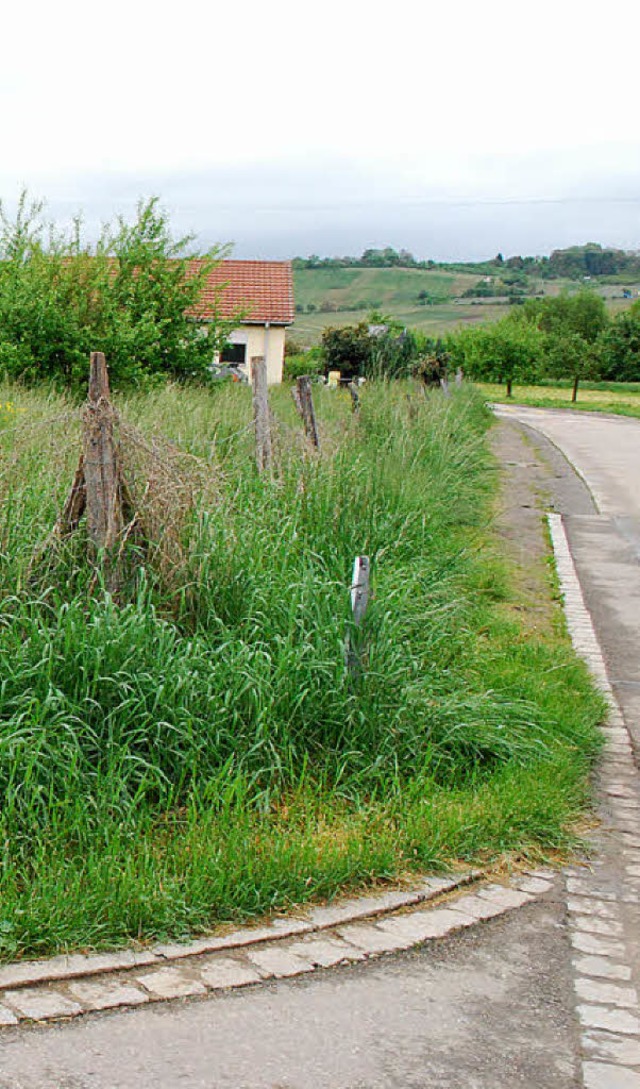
<point>333,380</point>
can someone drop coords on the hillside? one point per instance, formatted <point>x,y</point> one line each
<point>375,288</point>
<point>422,298</point>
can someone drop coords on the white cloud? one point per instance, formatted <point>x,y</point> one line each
<point>340,105</point>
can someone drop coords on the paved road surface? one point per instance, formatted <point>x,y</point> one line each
<point>477,1011</point>
<point>605,450</point>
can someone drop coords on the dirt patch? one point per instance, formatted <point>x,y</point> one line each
<point>535,477</point>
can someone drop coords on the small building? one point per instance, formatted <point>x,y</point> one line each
<point>262,293</point>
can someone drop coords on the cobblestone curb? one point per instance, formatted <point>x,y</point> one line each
<point>341,933</point>
<point>603,900</point>
<point>357,929</point>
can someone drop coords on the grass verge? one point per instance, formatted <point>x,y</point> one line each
<point>199,752</point>
<point>617,398</point>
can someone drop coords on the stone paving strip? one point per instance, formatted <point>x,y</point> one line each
<point>341,933</point>
<point>603,899</point>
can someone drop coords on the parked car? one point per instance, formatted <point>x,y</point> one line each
<point>228,370</point>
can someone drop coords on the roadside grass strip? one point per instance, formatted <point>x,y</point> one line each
<point>614,398</point>
<point>200,752</point>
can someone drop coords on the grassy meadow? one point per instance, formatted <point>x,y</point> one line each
<point>197,751</point>
<point>377,288</point>
<point>433,320</point>
<point>618,398</point>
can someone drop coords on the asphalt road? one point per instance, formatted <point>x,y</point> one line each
<point>488,1009</point>
<point>605,451</point>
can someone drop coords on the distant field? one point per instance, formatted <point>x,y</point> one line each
<point>395,291</point>
<point>619,398</point>
<point>436,320</point>
<point>372,288</point>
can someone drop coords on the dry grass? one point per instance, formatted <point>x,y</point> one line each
<point>167,486</point>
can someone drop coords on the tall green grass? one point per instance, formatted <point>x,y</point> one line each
<point>200,751</point>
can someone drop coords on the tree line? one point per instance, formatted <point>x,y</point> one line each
<point>591,261</point>
<point>570,337</point>
<point>563,337</point>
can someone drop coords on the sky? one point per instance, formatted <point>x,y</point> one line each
<point>454,131</point>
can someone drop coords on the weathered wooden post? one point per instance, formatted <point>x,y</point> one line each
<point>74,507</point>
<point>307,410</point>
<point>296,399</point>
<point>264,453</point>
<point>459,376</point>
<point>355,397</point>
<point>100,465</point>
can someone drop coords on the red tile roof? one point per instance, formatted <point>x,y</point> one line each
<point>262,291</point>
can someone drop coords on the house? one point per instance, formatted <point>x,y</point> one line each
<point>262,293</point>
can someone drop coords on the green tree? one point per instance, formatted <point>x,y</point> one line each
<point>508,351</point>
<point>620,347</point>
<point>134,295</point>
<point>593,260</point>
<point>573,325</point>
<point>584,313</point>
<point>570,355</point>
<point>588,315</point>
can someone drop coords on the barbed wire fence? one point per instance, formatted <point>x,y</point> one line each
<point>137,494</point>
<point>132,489</point>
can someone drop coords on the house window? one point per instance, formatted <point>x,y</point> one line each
<point>234,353</point>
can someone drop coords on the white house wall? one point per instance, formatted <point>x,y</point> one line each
<point>261,340</point>
<point>268,342</point>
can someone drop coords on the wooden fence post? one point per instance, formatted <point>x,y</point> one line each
<point>100,466</point>
<point>296,399</point>
<point>355,397</point>
<point>412,407</point>
<point>307,410</point>
<point>264,454</point>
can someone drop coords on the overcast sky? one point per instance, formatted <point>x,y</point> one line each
<point>292,128</point>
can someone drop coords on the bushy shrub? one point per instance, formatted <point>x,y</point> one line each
<point>619,348</point>
<point>134,296</point>
<point>377,348</point>
<point>300,363</point>
<point>347,349</point>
